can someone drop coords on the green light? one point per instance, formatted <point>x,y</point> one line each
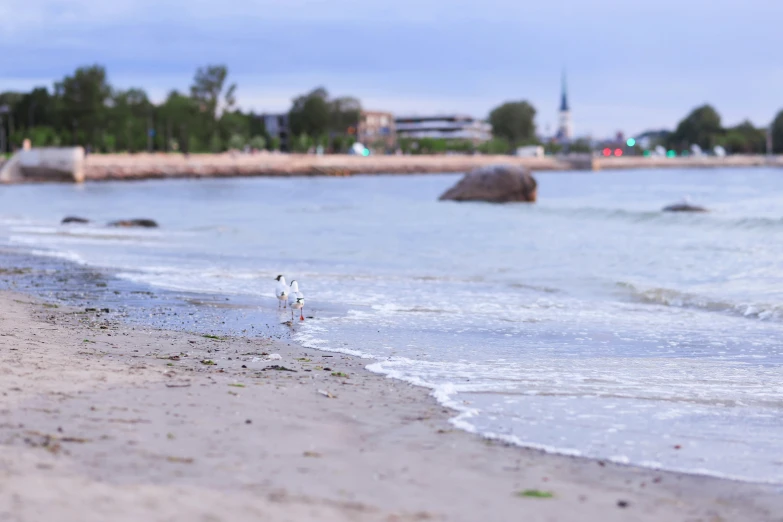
<point>631,142</point>
<point>366,152</point>
<point>671,154</point>
<point>646,154</point>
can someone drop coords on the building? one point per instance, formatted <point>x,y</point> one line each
<point>277,126</point>
<point>565,129</point>
<point>449,127</point>
<point>376,130</point>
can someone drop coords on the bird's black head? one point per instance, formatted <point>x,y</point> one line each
<point>292,282</point>
<point>278,277</point>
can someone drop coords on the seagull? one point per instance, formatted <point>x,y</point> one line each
<point>296,300</point>
<point>281,291</point>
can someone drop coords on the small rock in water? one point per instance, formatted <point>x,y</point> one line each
<point>684,206</point>
<point>622,503</point>
<point>143,223</point>
<point>74,219</point>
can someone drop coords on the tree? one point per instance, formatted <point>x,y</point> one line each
<point>179,113</point>
<point>34,109</point>
<point>128,120</point>
<point>744,139</point>
<point>701,127</point>
<point>514,122</point>
<point>207,87</point>
<point>777,133</point>
<point>343,113</point>
<point>310,114</point>
<point>82,99</point>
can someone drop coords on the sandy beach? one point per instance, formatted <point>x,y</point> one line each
<point>101,421</point>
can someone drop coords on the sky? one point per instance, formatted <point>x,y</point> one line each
<point>631,66</point>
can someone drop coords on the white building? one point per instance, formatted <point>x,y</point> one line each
<point>450,127</point>
<point>565,129</point>
<point>276,126</point>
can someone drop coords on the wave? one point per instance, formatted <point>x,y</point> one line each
<point>679,299</point>
<point>449,395</point>
<point>709,219</point>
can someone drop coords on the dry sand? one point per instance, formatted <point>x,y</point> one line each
<point>103,422</point>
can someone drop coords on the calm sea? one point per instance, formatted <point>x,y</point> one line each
<point>589,323</point>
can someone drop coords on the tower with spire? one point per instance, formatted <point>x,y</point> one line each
<point>565,130</point>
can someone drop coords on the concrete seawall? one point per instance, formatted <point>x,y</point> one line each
<point>100,167</point>
<point>64,164</point>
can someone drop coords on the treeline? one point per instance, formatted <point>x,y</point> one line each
<point>84,109</point>
<point>703,127</point>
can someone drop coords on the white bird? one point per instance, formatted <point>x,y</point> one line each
<point>296,300</point>
<point>281,291</point>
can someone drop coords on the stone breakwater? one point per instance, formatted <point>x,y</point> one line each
<point>146,166</point>
<point>104,167</point>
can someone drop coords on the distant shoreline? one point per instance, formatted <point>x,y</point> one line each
<point>154,166</point>
<point>141,166</point>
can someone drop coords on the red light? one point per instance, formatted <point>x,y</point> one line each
<point>607,151</point>
<point>618,152</point>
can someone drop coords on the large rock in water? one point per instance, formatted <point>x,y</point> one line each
<point>496,184</point>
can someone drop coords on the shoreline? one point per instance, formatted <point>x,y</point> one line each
<point>106,167</point>
<point>142,166</point>
<point>378,449</point>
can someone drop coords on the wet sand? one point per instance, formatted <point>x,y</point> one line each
<point>103,421</point>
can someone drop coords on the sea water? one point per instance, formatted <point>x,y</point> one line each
<point>589,323</point>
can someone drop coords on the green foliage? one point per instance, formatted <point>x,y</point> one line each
<point>275,143</point>
<point>579,146</point>
<point>514,122</point>
<point>301,143</point>
<point>42,136</point>
<point>82,100</point>
<point>344,113</point>
<point>743,139</point>
<point>435,146</point>
<point>215,144</point>
<point>701,127</point>
<point>777,133</point>
<point>257,142</point>
<point>207,87</point>
<point>496,146</point>
<point>315,114</point>
<point>310,113</point>
<point>535,493</point>
<point>237,142</point>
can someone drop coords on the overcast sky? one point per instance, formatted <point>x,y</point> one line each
<point>631,66</point>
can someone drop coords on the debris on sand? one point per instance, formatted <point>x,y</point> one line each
<point>535,493</point>
<point>278,368</point>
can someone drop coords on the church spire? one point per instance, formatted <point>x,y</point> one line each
<point>564,97</point>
